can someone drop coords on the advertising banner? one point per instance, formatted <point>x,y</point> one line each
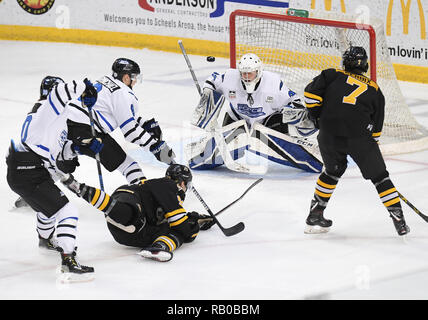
<point>157,24</point>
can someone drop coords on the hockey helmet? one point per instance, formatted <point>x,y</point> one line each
<point>180,173</point>
<point>250,62</point>
<point>355,60</point>
<point>47,84</point>
<point>122,66</point>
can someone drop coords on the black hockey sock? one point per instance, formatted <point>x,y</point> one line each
<point>326,184</point>
<point>388,194</point>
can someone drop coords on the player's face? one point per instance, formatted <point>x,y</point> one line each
<point>248,76</point>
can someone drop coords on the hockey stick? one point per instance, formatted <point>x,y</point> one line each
<point>229,162</point>
<point>413,207</point>
<point>94,136</point>
<point>226,231</point>
<point>232,203</point>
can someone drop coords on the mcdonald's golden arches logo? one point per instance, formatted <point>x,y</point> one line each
<point>405,11</point>
<point>327,5</point>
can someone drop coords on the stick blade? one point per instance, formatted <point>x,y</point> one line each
<point>234,230</point>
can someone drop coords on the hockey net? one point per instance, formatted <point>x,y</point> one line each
<point>299,48</point>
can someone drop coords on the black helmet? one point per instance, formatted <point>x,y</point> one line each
<point>355,60</point>
<point>47,84</point>
<point>122,66</point>
<point>178,173</point>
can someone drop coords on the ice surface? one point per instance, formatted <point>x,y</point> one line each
<point>272,259</point>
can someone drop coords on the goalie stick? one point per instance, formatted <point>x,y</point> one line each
<point>227,158</point>
<point>413,207</point>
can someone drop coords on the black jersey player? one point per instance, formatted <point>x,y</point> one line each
<point>349,108</point>
<point>149,215</point>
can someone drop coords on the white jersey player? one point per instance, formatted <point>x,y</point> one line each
<point>260,104</point>
<point>32,164</point>
<point>117,107</point>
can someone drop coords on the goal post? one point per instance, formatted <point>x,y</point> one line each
<point>298,48</point>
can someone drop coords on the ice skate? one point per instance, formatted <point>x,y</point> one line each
<point>399,222</point>
<point>315,222</point>
<point>158,252</point>
<point>72,271</point>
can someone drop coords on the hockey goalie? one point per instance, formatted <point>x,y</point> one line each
<point>262,116</point>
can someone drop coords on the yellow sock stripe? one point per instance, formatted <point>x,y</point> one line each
<point>382,194</point>
<point>175,223</point>
<point>96,196</point>
<point>326,185</point>
<point>168,241</point>
<point>322,194</point>
<point>173,213</point>
<point>105,202</point>
<point>391,202</point>
<point>376,134</point>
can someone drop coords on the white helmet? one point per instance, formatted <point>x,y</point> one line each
<point>250,62</point>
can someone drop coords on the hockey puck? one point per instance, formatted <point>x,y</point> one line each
<point>210,59</point>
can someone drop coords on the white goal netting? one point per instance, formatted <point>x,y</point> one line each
<point>299,50</point>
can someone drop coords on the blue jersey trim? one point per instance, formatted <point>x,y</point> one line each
<point>52,105</point>
<point>105,120</point>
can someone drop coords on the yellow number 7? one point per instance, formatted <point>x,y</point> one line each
<point>352,98</point>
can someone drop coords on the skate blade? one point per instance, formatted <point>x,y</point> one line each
<point>69,277</point>
<point>161,256</point>
<point>316,229</point>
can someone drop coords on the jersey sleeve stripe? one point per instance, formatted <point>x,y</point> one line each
<point>52,105</point>
<point>312,96</point>
<point>67,92</point>
<point>126,122</point>
<point>58,96</point>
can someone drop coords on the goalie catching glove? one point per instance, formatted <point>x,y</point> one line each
<point>296,115</point>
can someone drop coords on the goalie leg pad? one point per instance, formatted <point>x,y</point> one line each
<point>286,150</point>
<point>208,154</point>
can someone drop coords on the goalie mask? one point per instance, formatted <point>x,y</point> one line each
<point>250,68</point>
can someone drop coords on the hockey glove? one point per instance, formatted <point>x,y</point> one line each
<point>66,160</point>
<point>89,96</point>
<point>152,127</point>
<point>205,222</point>
<point>162,152</point>
<point>67,166</point>
<point>88,145</point>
